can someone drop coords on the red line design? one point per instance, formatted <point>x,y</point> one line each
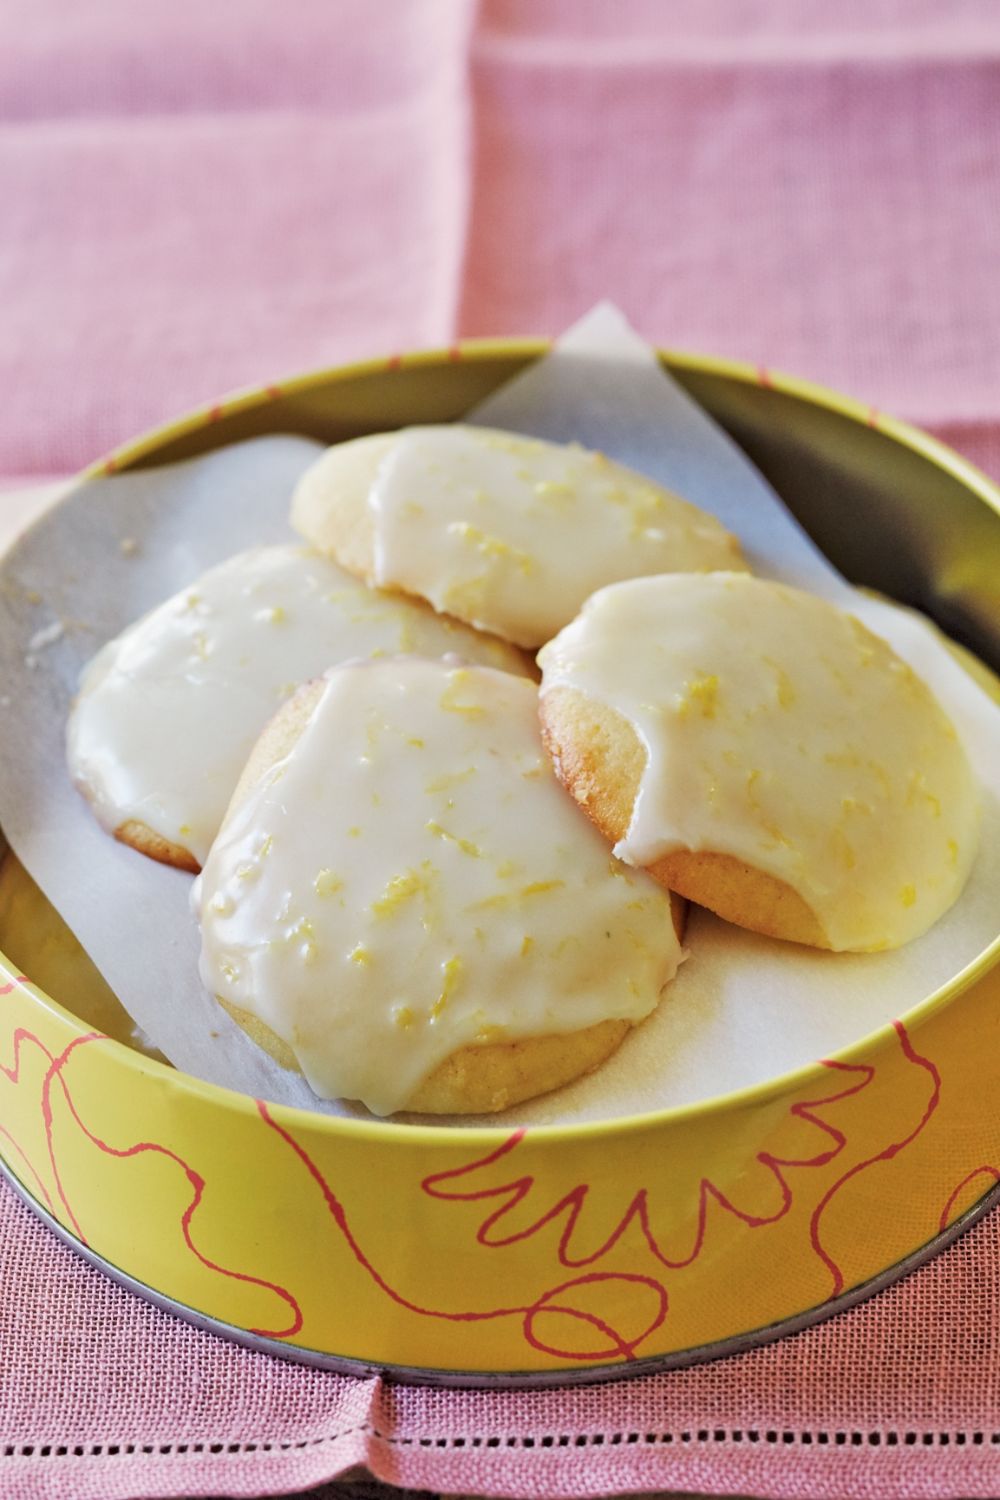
<point>111,466</point>
<point>512,1193</point>
<point>530,1313</point>
<point>53,1074</point>
<point>27,1162</point>
<point>873,416</point>
<point>54,1071</point>
<point>195,1180</point>
<point>886,1154</point>
<point>991,1173</point>
<point>764,378</point>
<point>340,1219</point>
<point>213,414</point>
<point>394,362</point>
<point>455,353</point>
<point>616,1344</point>
<point>274,392</point>
<point>572,1203</point>
<point>13,1073</point>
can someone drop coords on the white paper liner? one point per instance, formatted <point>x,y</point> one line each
<point>742,1009</point>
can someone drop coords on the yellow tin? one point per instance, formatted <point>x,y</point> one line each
<point>470,1255</point>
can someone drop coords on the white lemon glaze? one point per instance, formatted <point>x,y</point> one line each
<point>412,878</point>
<point>779,730</point>
<point>511,533</point>
<point>168,711</point>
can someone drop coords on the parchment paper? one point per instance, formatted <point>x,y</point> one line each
<point>742,1009</point>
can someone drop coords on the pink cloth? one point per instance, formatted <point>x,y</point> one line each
<point>211,195</point>
<point>199,196</point>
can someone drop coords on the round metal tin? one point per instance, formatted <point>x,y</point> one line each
<point>555,1254</point>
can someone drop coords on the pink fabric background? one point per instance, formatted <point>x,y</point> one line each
<point>204,195</point>
<point>200,196</point>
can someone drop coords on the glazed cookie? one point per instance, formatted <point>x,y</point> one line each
<point>508,533</point>
<point>404,904</point>
<point>168,711</point>
<point>760,751</point>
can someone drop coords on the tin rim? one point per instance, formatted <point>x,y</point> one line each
<point>476,1136</point>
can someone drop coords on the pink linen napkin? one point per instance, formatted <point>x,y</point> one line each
<point>197,197</point>
<point>206,196</point>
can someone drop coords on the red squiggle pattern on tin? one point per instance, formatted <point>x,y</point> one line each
<point>20,1037</point>
<point>886,1154</point>
<point>54,1074</point>
<point>26,1160</point>
<point>13,1074</point>
<point>618,1344</point>
<point>570,1207</point>
<point>572,1203</point>
<point>195,1180</point>
<point>992,1174</point>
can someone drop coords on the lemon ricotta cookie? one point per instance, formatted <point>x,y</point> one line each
<point>167,712</point>
<point>404,905</point>
<point>506,532</point>
<point>763,753</point>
